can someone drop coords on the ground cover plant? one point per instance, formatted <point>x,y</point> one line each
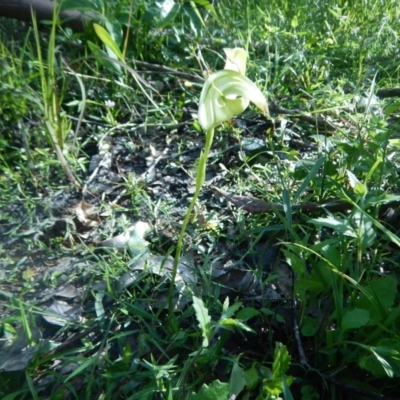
<point>163,238</point>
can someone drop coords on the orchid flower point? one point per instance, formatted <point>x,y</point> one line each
<point>229,92</point>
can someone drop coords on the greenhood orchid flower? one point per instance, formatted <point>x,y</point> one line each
<point>228,93</point>
<point>225,94</point>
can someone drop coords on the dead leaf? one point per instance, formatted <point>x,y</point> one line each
<point>68,292</point>
<point>132,239</point>
<point>247,203</point>
<point>87,214</point>
<point>60,313</point>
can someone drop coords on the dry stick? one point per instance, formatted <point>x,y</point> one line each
<point>256,206</point>
<point>385,93</point>
<point>300,114</point>
<point>163,69</point>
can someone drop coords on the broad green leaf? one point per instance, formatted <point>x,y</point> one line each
<point>308,326</point>
<point>383,291</point>
<point>216,391</point>
<point>252,378</point>
<point>229,311</point>
<point>329,249</point>
<point>267,311</point>
<point>389,109</point>
<point>384,358</point>
<point>169,9</point>
<point>358,187</point>
<point>114,28</point>
<point>354,319</point>
<point>297,263</point>
<point>237,381</point>
<point>364,229</point>
<point>78,5</point>
<point>382,199</point>
<point>247,313</point>
<point>339,225</point>
<point>196,22</point>
<point>309,393</point>
<point>372,365</point>
<point>389,360</point>
<point>287,394</point>
<point>302,286</point>
<point>106,38</point>
<point>104,59</point>
<point>207,4</point>
<point>17,395</point>
<point>203,319</point>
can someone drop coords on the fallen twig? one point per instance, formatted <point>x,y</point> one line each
<point>256,206</point>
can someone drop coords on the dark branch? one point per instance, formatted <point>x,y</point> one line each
<point>21,10</point>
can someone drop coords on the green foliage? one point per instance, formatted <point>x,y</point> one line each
<point>341,264</point>
<point>278,382</point>
<point>217,390</point>
<point>204,320</point>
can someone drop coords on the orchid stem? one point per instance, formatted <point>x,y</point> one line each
<point>200,179</point>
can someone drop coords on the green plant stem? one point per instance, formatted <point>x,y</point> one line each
<point>201,176</point>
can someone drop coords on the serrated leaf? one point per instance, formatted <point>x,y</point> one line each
<point>247,313</point>
<point>216,391</point>
<point>383,291</point>
<point>354,319</point>
<point>281,361</point>
<point>339,225</point>
<point>252,378</point>
<point>203,319</point>
<point>237,381</point>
